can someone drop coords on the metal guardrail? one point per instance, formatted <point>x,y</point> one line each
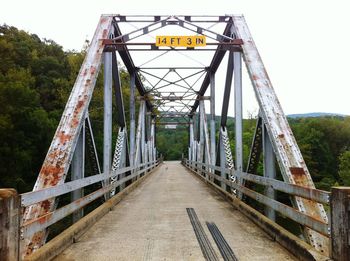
<point>317,195</point>
<point>337,229</point>
<point>30,228</point>
<point>299,217</point>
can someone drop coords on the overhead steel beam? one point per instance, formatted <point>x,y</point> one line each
<point>130,66</point>
<point>172,68</point>
<point>154,18</point>
<point>201,30</point>
<point>141,31</point>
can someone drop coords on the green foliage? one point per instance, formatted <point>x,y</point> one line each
<point>321,141</point>
<point>344,167</point>
<point>172,143</point>
<point>35,80</point>
<point>24,128</point>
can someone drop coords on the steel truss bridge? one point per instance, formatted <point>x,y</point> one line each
<point>170,86</point>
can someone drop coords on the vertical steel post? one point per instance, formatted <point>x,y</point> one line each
<point>222,160</point>
<point>107,114</point>
<point>153,156</point>
<point>212,118</point>
<point>143,133</point>
<point>269,170</point>
<point>201,133</point>
<point>190,154</point>
<point>132,118</point>
<point>138,143</point>
<point>78,164</point>
<point>206,147</point>
<point>237,61</point>
<point>149,148</point>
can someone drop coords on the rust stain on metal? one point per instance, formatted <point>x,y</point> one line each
<point>56,163</point>
<point>255,77</point>
<point>297,171</point>
<point>80,104</point>
<point>50,174</point>
<point>41,220</point>
<point>46,205</point>
<point>45,218</point>
<point>299,176</point>
<point>63,138</point>
<point>105,33</point>
<point>107,41</point>
<point>92,70</point>
<point>237,41</point>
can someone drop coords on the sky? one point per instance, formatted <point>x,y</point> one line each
<point>303,44</point>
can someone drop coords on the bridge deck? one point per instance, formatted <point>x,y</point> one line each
<point>151,223</point>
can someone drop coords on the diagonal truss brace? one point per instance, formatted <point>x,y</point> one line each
<point>120,154</point>
<point>288,154</point>
<point>256,147</point>
<point>60,153</point>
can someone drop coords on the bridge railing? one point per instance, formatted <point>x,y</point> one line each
<point>337,229</point>
<point>14,232</point>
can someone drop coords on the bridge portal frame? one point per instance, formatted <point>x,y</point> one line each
<point>235,40</point>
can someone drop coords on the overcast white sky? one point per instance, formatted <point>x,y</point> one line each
<point>304,44</point>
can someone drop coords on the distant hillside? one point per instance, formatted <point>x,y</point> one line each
<point>293,116</point>
<point>315,115</point>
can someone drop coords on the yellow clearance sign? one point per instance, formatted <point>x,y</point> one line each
<point>181,41</point>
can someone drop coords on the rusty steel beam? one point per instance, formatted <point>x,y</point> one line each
<point>60,153</point>
<point>288,154</point>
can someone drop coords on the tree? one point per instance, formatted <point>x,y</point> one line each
<point>344,167</point>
